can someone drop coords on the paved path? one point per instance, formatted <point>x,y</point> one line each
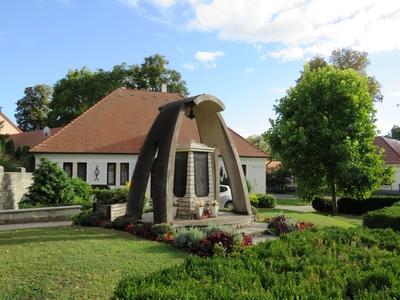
<point>302,208</point>
<point>34,225</point>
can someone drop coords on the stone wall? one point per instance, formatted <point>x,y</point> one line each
<point>13,185</point>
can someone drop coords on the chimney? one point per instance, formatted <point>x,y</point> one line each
<point>163,88</point>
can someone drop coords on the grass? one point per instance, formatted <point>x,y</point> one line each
<point>291,201</point>
<point>75,262</point>
<point>318,219</point>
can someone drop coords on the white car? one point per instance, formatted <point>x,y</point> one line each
<point>225,197</point>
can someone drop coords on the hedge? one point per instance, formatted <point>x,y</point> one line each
<point>111,196</point>
<point>354,206</point>
<point>318,264</point>
<point>388,217</point>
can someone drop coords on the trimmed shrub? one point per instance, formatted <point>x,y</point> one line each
<point>86,218</point>
<point>319,264</point>
<point>322,204</point>
<point>362,206</point>
<point>388,217</point>
<point>262,200</point>
<point>111,196</point>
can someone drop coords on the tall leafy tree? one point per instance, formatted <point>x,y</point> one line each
<point>324,133</point>
<point>82,88</point>
<point>395,132</point>
<point>350,59</point>
<point>32,109</point>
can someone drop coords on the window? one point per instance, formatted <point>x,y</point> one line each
<point>111,173</point>
<point>222,189</point>
<point>244,167</point>
<point>180,174</point>
<point>201,181</point>
<point>67,166</point>
<point>124,173</point>
<point>82,171</point>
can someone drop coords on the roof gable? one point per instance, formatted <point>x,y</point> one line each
<point>120,122</point>
<point>8,127</point>
<point>391,154</point>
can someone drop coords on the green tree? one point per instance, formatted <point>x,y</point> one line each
<point>395,132</point>
<point>324,134</point>
<point>260,141</point>
<point>32,109</point>
<point>51,186</point>
<point>80,89</point>
<point>350,59</point>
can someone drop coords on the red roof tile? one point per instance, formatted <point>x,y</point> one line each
<point>120,122</point>
<point>392,149</point>
<point>31,138</point>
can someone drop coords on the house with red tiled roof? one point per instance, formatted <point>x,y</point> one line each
<point>102,145</point>
<point>391,155</point>
<point>7,126</point>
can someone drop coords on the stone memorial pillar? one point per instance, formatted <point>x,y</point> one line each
<point>194,178</point>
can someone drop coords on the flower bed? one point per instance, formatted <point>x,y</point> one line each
<point>281,224</point>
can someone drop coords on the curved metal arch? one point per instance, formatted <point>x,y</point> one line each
<point>157,156</point>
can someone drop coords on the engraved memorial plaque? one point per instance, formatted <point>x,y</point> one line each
<point>180,174</point>
<point>201,181</point>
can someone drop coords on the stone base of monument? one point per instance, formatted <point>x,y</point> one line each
<point>224,218</point>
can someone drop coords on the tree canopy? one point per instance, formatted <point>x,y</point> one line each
<point>395,132</point>
<point>350,59</point>
<point>32,109</point>
<point>82,88</point>
<point>324,133</point>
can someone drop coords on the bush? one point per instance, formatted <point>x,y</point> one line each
<point>111,196</point>
<point>388,217</point>
<point>188,238</point>
<point>320,264</point>
<point>354,206</point>
<point>322,205</point>
<point>51,186</point>
<point>254,199</point>
<point>122,222</point>
<point>86,218</point>
<point>362,206</point>
<point>282,224</point>
<point>262,200</point>
<point>83,193</point>
<point>278,180</point>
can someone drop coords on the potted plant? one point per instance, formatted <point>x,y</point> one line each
<point>214,208</point>
<point>199,209</point>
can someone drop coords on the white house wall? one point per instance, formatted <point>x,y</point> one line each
<point>255,167</point>
<point>93,160</point>
<point>255,172</point>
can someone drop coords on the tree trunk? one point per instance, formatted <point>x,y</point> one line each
<point>334,200</point>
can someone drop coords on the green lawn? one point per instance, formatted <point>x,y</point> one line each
<point>318,219</point>
<point>75,262</point>
<point>291,201</point>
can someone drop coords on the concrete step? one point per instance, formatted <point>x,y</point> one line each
<point>258,232</point>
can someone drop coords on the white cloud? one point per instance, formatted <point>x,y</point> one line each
<point>189,66</point>
<point>249,70</point>
<point>296,28</point>
<point>208,57</point>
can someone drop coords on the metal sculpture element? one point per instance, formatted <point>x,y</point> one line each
<point>157,156</point>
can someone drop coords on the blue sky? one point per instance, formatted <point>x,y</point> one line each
<point>247,53</point>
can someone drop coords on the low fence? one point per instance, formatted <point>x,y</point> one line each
<point>43,214</point>
<point>13,185</point>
